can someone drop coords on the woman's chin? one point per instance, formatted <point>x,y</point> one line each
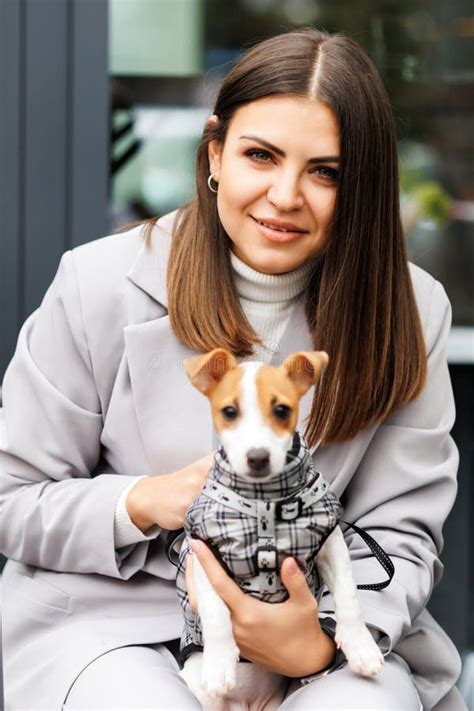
<point>265,262</point>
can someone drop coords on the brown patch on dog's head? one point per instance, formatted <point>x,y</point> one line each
<point>217,375</point>
<point>279,389</point>
<point>277,398</point>
<point>226,400</point>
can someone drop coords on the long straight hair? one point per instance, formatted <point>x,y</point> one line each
<point>359,302</point>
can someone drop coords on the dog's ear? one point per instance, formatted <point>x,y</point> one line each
<point>205,371</point>
<point>304,368</point>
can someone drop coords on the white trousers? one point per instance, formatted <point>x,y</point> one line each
<point>146,677</point>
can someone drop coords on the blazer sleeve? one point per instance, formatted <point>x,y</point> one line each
<point>54,513</point>
<point>403,491</point>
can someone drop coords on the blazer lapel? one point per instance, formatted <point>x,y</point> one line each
<point>173,417</point>
<point>169,410</point>
<point>149,269</point>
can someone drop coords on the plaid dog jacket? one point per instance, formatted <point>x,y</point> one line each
<point>292,514</point>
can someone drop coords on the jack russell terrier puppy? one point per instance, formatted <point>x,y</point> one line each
<point>263,501</point>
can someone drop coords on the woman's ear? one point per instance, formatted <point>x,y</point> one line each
<point>214,151</point>
<point>214,155</point>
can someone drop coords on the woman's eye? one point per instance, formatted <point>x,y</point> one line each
<point>229,413</point>
<point>258,155</point>
<point>281,412</point>
<point>329,174</point>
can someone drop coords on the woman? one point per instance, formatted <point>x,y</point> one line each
<point>292,243</point>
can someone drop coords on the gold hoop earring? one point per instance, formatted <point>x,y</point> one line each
<point>209,183</point>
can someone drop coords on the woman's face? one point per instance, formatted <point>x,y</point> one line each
<point>277,168</point>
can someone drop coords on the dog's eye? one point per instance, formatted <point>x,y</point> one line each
<point>281,412</point>
<point>229,412</point>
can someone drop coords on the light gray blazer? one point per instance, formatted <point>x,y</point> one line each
<point>96,394</point>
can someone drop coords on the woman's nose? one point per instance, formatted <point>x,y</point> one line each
<point>284,193</point>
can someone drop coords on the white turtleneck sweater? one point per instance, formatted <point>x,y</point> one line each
<point>267,301</point>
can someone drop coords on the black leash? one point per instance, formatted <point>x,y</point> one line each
<point>174,539</point>
<point>380,555</point>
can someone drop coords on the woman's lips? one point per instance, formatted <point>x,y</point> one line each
<point>275,235</point>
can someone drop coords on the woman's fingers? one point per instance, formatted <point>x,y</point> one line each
<point>292,578</point>
<point>220,581</point>
<point>295,583</point>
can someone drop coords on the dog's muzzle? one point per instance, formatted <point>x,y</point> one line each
<point>258,460</point>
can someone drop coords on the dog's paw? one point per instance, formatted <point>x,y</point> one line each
<point>363,655</point>
<point>219,670</point>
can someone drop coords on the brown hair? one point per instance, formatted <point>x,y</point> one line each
<point>360,304</point>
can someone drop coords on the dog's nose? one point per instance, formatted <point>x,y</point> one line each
<point>258,459</point>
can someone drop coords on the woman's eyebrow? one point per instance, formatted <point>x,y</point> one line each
<point>280,152</point>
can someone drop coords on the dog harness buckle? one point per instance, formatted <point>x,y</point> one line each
<point>288,510</point>
<point>267,559</point>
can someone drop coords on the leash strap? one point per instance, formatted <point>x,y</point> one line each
<point>379,554</point>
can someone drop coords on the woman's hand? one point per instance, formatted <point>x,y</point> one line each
<point>284,637</point>
<point>164,499</point>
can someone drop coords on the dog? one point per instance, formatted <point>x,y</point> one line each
<point>261,483</point>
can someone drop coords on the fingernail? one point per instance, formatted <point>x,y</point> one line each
<point>291,566</point>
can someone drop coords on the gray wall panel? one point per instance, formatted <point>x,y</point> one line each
<point>11,120</point>
<point>53,145</point>
<point>90,125</point>
<point>47,126</point>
